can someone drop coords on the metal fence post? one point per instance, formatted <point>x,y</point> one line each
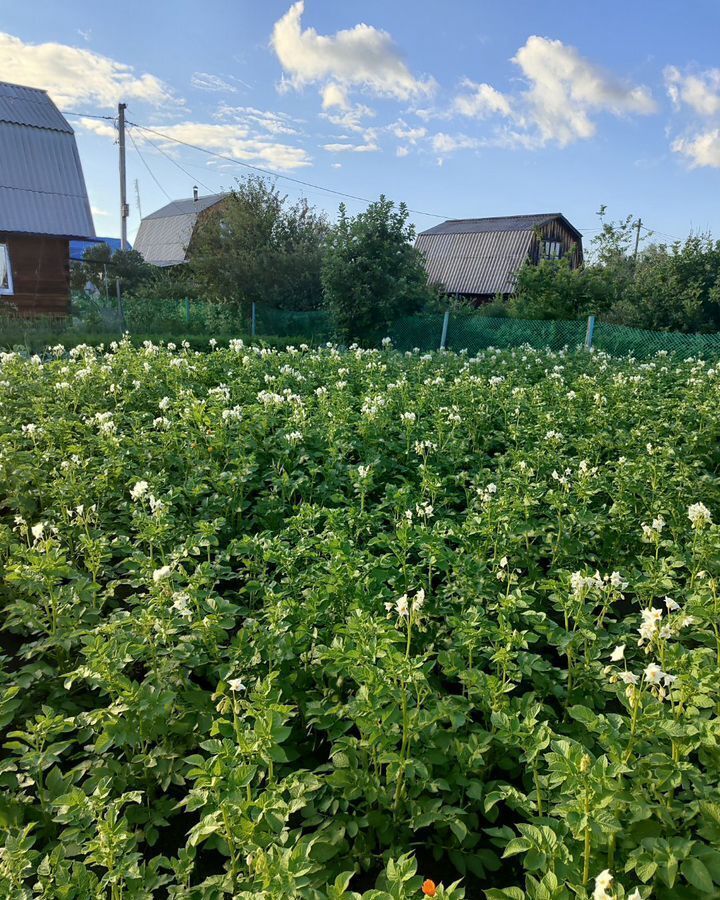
<point>443,339</point>
<point>253,320</point>
<point>589,332</point>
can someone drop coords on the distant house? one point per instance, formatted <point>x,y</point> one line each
<point>479,258</point>
<point>164,236</point>
<point>43,202</point>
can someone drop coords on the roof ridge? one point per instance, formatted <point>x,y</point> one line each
<point>495,218</point>
<point>25,87</point>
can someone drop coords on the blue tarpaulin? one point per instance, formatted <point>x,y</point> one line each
<point>78,248</point>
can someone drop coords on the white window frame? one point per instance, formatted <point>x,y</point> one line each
<point>8,291</point>
<point>547,253</point>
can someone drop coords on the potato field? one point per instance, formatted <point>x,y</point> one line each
<point>358,624</point>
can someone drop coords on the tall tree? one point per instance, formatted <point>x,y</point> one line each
<point>371,272</point>
<point>257,248</point>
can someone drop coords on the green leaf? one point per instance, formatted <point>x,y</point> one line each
<point>696,873</point>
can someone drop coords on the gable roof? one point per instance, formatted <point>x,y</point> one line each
<point>482,262</point>
<point>499,223</point>
<point>42,188</point>
<point>482,256</point>
<point>164,235</point>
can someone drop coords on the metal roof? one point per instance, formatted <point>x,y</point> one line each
<point>164,235</point>
<point>498,223</point>
<point>42,189</point>
<point>480,262</point>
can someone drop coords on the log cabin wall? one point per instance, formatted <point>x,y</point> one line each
<point>556,230</point>
<point>41,275</point>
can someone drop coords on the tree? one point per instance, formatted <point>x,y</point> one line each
<point>675,287</point>
<point>371,273</point>
<point>255,248</point>
<point>101,266</point>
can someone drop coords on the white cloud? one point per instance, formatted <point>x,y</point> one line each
<point>362,56</point>
<point>351,148</point>
<point>698,92</point>
<point>405,132</point>
<point>268,120</point>
<point>564,91</point>
<point>481,100</point>
<point>205,81</point>
<point>74,75</point>
<point>701,91</point>
<point>101,128</point>
<point>334,95</point>
<point>402,151</point>
<point>565,88</point>
<point>443,143</point>
<point>336,165</point>
<point>236,141</point>
<point>350,119</point>
<point>700,150</point>
<point>96,211</point>
<point>240,141</point>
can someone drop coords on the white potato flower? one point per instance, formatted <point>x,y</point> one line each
<point>653,673</point>
<point>699,515</point>
<point>139,490</point>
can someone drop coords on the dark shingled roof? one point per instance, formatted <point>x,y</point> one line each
<point>497,223</point>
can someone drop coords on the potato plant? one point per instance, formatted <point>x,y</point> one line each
<point>359,624</point>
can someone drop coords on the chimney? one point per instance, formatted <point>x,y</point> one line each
<point>195,193</point>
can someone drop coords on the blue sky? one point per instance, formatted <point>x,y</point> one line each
<point>459,109</point>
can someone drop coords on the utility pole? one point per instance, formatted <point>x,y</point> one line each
<point>124,210</point>
<point>638,226</point>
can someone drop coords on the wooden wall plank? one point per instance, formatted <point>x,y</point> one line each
<point>41,275</point>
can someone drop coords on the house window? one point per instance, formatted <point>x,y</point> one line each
<point>6,280</point>
<point>550,250</point>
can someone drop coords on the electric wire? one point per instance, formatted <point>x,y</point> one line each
<point>182,168</point>
<point>150,171</point>
<point>270,172</point>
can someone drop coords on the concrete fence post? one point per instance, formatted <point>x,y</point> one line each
<point>589,332</point>
<point>253,320</point>
<point>443,339</point>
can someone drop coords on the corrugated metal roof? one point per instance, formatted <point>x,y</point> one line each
<point>20,105</point>
<point>496,223</point>
<point>482,262</point>
<point>186,207</point>
<point>42,189</point>
<point>164,235</point>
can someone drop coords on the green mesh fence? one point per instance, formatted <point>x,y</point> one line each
<point>475,333</point>
<point>465,331</point>
<point>621,341</point>
<point>421,332</point>
<point>314,326</point>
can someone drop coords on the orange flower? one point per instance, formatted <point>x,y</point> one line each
<point>429,888</point>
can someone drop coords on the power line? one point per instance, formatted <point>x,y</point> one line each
<point>182,169</point>
<point>142,158</point>
<point>269,172</point>
<point>82,115</point>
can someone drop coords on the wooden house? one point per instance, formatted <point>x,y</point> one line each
<point>43,203</point>
<point>164,236</point>
<point>479,258</point>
